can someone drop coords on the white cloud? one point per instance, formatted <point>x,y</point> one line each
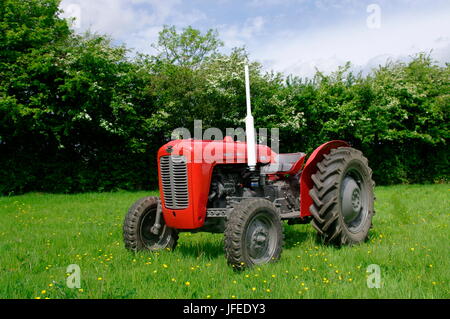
<point>399,36</point>
<point>134,22</point>
<point>266,3</point>
<point>237,36</point>
<point>285,49</point>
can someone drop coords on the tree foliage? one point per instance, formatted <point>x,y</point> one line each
<point>78,114</point>
<point>188,48</point>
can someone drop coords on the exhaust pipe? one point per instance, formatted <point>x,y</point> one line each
<point>250,126</point>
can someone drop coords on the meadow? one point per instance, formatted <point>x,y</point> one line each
<point>42,234</point>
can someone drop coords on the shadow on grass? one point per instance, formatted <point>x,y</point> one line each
<point>206,249</point>
<point>212,249</point>
<point>293,236</point>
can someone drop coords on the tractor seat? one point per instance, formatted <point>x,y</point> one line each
<point>288,163</point>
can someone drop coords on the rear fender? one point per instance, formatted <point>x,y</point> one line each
<point>306,183</point>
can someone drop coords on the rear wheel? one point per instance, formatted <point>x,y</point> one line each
<point>253,234</point>
<point>137,227</point>
<point>343,197</point>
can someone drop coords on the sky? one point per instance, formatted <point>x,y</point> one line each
<point>289,36</point>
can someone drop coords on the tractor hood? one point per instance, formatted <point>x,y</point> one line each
<point>225,151</point>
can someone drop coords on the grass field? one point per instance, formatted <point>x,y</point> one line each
<point>41,234</point>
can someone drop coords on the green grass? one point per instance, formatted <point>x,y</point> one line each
<point>41,234</point>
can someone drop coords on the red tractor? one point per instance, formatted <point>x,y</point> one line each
<point>247,191</point>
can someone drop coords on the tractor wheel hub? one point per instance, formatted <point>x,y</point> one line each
<point>351,199</point>
<point>258,238</point>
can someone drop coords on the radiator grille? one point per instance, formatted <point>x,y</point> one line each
<point>174,181</point>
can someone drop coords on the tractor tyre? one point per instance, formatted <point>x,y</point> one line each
<point>253,234</point>
<point>137,226</point>
<point>343,198</point>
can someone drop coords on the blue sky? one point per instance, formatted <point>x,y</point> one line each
<point>289,36</point>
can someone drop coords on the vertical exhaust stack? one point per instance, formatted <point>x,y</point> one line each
<point>250,126</point>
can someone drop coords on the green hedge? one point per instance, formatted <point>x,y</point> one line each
<point>77,114</point>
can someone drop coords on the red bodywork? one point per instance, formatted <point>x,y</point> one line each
<point>202,156</point>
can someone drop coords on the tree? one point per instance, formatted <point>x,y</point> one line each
<point>73,112</point>
<point>188,48</point>
<point>78,114</point>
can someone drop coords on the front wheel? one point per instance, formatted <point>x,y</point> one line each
<point>253,234</point>
<point>343,199</point>
<point>138,224</point>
